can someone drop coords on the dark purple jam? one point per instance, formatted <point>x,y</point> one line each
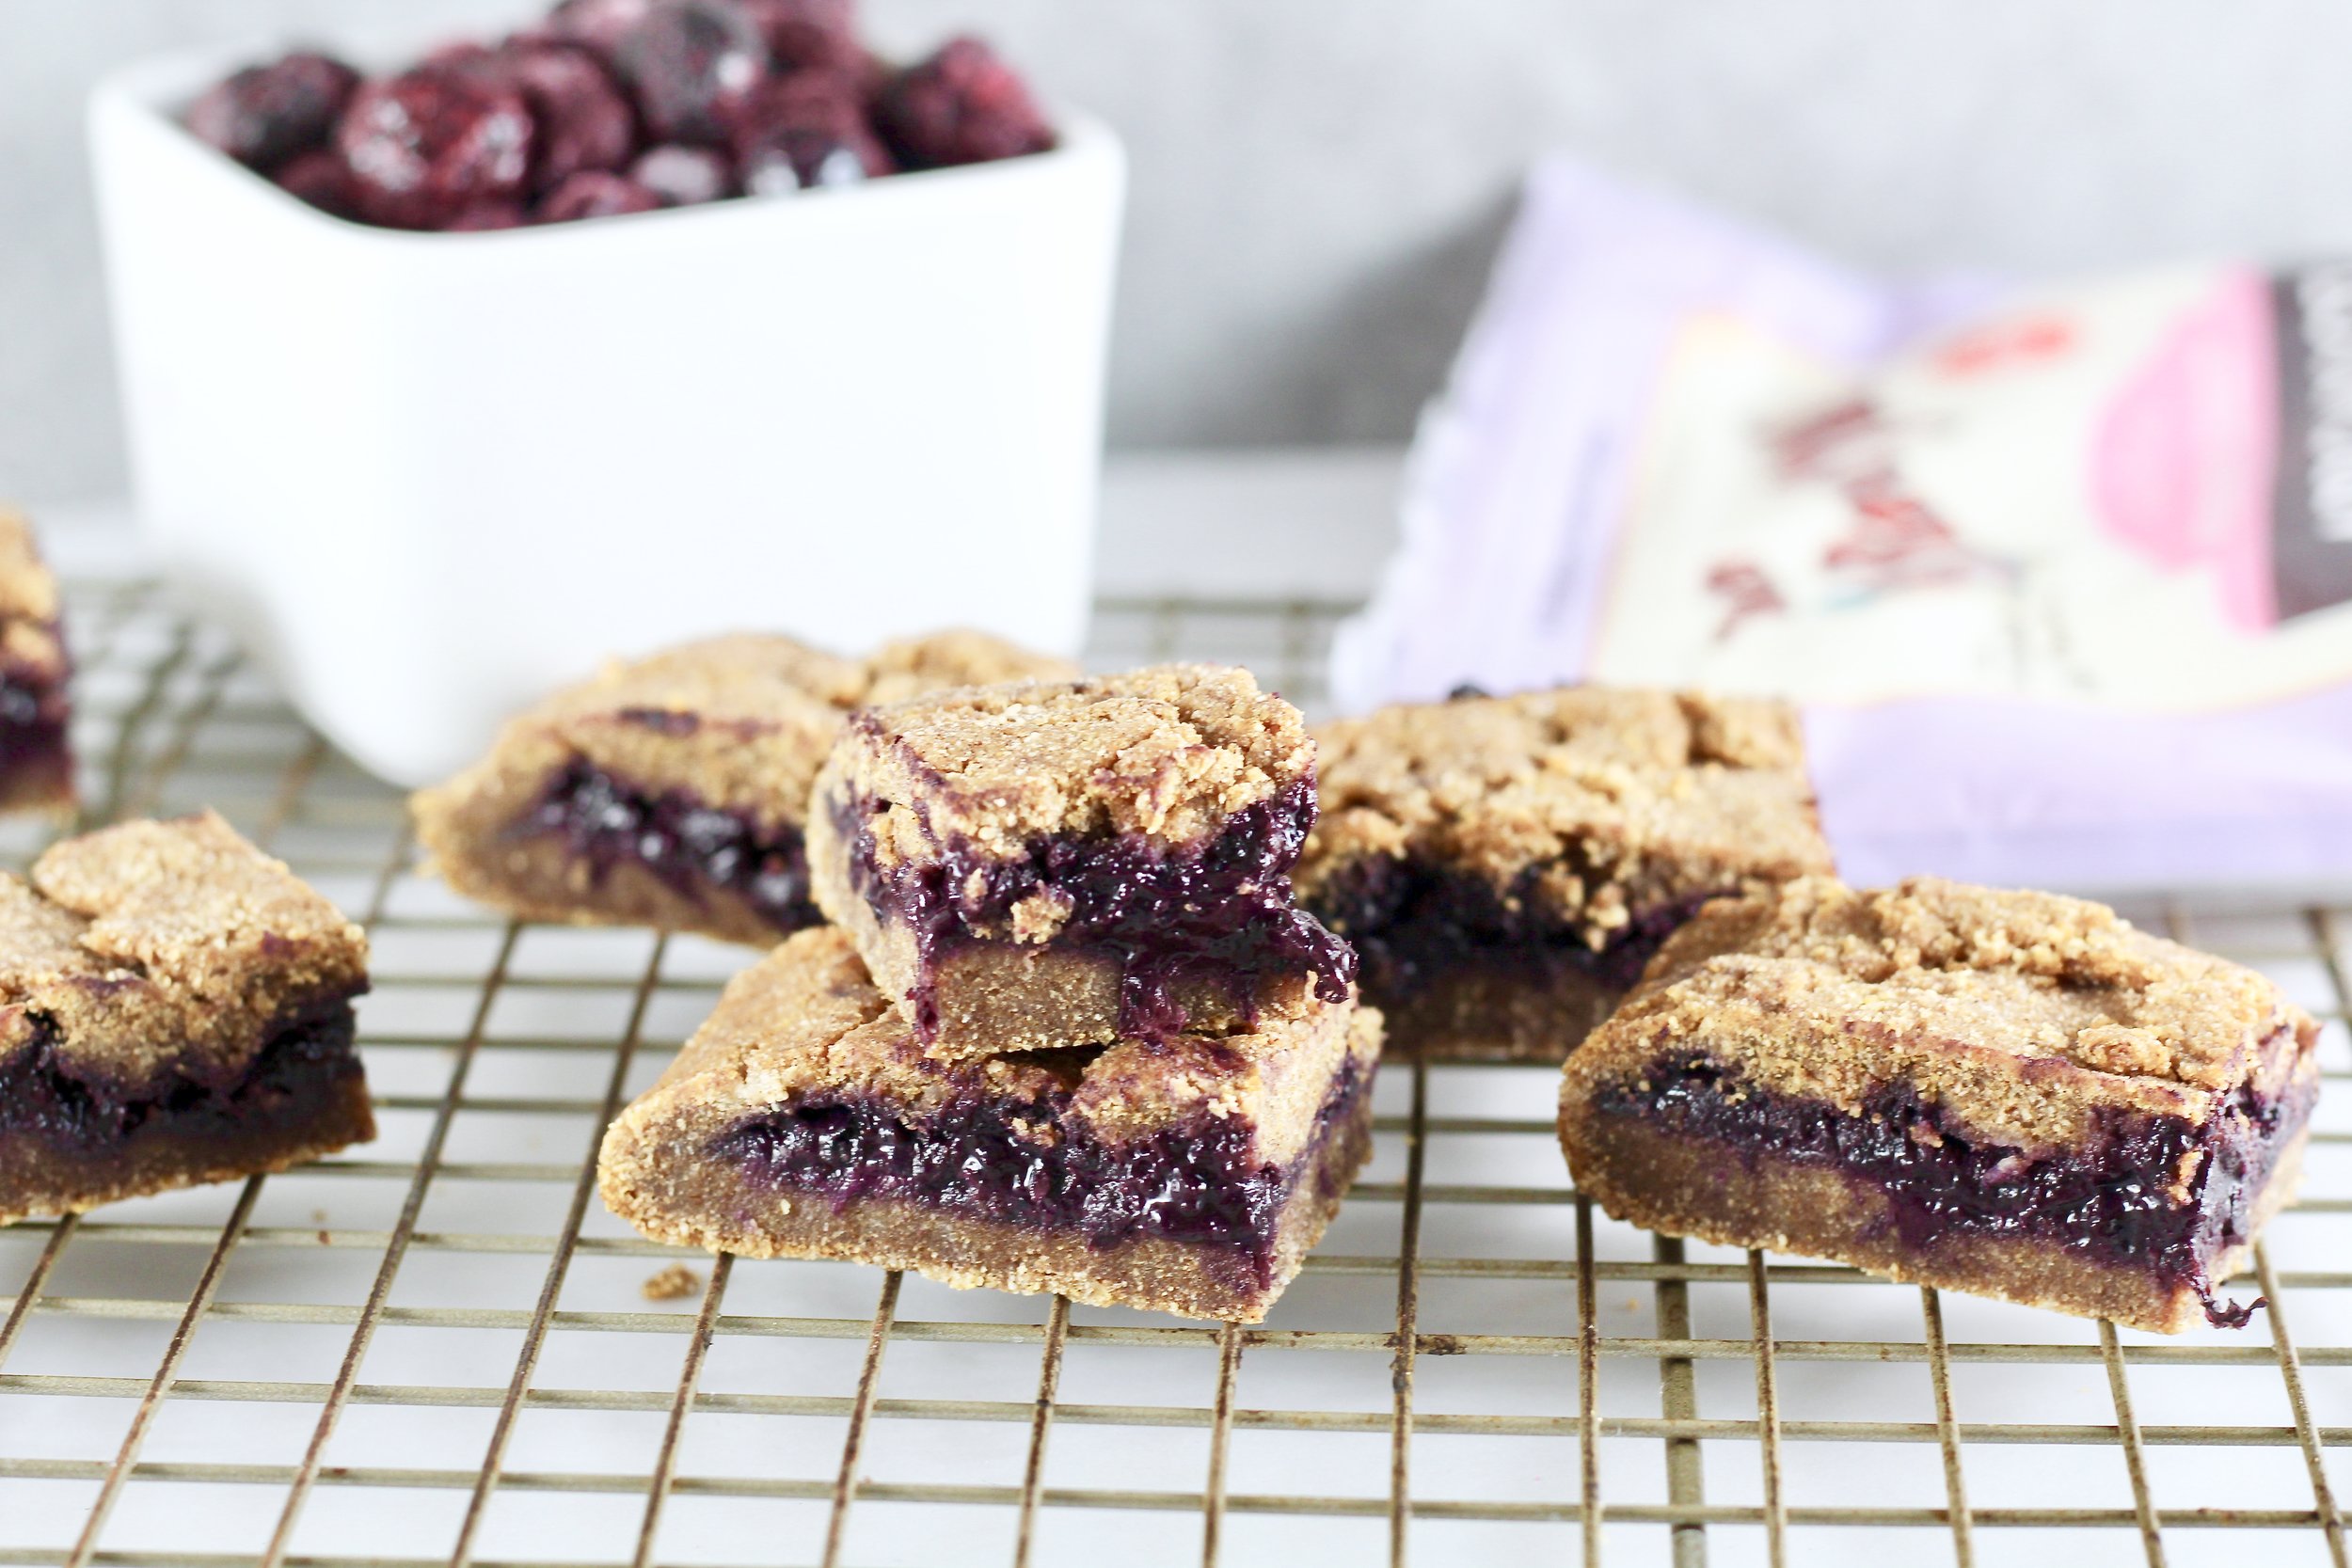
<point>691,847</point>
<point>1219,911</point>
<point>30,728</point>
<point>44,1097</point>
<point>35,712</point>
<point>1412,923</point>
<point>2107,1202</point>
<point>1038,1165</point>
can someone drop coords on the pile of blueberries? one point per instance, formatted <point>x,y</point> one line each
<point>617,106</point>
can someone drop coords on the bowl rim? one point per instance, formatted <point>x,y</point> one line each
<point>147,89</point>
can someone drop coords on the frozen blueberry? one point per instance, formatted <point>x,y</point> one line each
<point>597,23</point>
<point>808,35</point>
<point>266,115</point>
<point>684,176</point>
<point>485,215</point>
<point>582,118</point>
<point>804,129</point>
<point>429,143</point>
<point>692,64</point>
<point>463,54</point>
<point>321,179</point>
<point>593,195</point>
<point>962,105</point>
<point>778,169</point>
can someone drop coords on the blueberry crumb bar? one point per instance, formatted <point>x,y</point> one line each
<point>175,1008</point>
<point>673,792</point>
<point>1048,863</point>
<point>1506,866</point>
<point>36,756</point>
<point>1184,1175</point>
<point>2013,1093</point>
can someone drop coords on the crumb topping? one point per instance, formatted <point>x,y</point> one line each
<point>744,678</point>
<point>1168,753</point>
<point>157,950</point>
<point>1037,918</point>
<point>1594,802</point>
<point>2023,1012</point>
<point>806,1020</point>
<point>913,666</point>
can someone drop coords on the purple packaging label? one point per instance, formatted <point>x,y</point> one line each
<point>2059,574</point>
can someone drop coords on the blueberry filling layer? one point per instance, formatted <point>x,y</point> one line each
<point>34,711</point>
<point>281,1089</point>
<point>1413,923</point>
<point>691,846</point>
<point>1216,911</point>
<point>38,745</point>
<point>1035,1166</point>
<point>2108,1203</point>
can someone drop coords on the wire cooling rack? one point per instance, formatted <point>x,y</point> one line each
<point>441,1348</point>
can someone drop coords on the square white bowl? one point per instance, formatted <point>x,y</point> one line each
<point>431,477</point>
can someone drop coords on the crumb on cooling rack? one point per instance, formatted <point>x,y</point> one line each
<point>674,1283</point>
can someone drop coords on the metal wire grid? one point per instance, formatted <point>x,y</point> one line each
<point>434,1349</point>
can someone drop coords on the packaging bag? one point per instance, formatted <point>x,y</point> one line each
<point>2061,576</point>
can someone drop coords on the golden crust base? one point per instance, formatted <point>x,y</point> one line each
<point>1682,1186</point>
<point>37,1179</point>
<point>676,1197</point>
<point>541,880</point>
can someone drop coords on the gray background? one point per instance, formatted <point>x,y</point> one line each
<point>1318,184</point>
